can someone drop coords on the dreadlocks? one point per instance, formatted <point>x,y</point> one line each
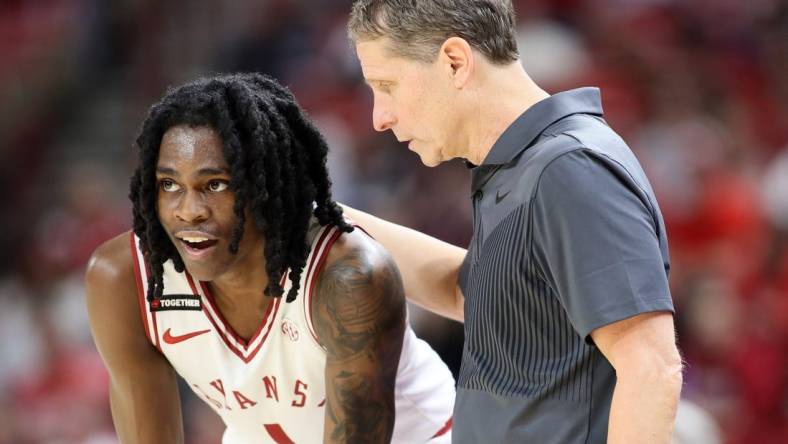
<point>278,169</point>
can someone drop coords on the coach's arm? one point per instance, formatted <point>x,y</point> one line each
<point>643,351</point>
<point>430,267</point>
<point>358,311</point>
<point>143,389</point>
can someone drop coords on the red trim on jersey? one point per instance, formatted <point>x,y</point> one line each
<point>207,314</point>
<point>307,280</point>
<point>141,297</point>
<point>318,267</point>
<point>190,280</point>
<point>268,320</point>
<point>153,313</point>
<point>284,279</point>
<point>227,327</point>
<point>276,303</point>
<point>323,236</point>
<point>278,434</point>
<point>355,225</point>
<point>156,330</point>
<point>221,334</point>
<point>444,430</point>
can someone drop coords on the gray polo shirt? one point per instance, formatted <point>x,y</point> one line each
<point>568,237</point>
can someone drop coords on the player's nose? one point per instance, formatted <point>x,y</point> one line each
<point>191,208</point>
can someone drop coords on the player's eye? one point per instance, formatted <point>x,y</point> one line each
<point>168,185</point>
<point>217,186</point>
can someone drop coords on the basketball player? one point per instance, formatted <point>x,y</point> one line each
<point>242,277</point>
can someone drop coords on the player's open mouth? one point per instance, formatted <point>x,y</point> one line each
<point>198,247</point>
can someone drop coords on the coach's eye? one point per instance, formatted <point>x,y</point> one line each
<point>385,87</point>
<point>168,185</point>
<point>217,185</point>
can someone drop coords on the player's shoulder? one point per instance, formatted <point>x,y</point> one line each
<point>111,266</point>
<point>358,295</point>
<point>358,252</point>
<point>113,305</point>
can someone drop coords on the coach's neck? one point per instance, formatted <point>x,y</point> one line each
<point>497,95</point>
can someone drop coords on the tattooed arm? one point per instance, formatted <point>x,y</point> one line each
<point>359,315</point>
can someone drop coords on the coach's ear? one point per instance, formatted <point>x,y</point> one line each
<point>456,55</point>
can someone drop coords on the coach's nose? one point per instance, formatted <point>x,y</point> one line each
<point>383,117</point>
<point>191,207</point>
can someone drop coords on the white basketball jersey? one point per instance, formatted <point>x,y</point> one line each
<point>271,388</point>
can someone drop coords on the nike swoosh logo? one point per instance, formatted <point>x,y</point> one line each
<point>170,339</point>
<point>499,197</point>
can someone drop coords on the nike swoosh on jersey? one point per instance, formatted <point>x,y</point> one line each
<point>499,197</point>
<point>170,339</point>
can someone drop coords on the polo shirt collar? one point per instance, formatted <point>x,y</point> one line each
<point>532,123</point>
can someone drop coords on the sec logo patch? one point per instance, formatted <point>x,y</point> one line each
<point>289,329</point>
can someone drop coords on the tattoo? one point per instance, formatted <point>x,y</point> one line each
<point>359,315</point>
<point>354,413</point>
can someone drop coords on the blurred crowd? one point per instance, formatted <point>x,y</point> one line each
<point>699,88</point>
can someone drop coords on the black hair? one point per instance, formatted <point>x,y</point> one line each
<point>277,162</point>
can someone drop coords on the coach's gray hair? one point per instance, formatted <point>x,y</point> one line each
<point>418,28</point>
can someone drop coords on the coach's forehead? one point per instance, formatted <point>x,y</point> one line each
<point>376,61</point>
<point>194,146</point>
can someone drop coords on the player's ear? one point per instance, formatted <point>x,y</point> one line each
<point>456,57</point>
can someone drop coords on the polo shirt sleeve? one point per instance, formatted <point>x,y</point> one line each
<point>595,237</point>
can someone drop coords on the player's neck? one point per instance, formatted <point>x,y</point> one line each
<point>505,95</point>
<point>241,285</point>
<point>241,303</point>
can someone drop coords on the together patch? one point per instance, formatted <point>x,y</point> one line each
<point>176,302</point>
